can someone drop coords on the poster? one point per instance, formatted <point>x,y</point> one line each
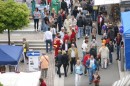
<point>33,60</point>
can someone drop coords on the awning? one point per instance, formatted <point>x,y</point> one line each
<point>103,2</point>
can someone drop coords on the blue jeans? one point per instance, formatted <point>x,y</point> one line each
<point>42,25</point>
<point>88,28</point>
<point>80,32</point>
<point>118,52</point>
<point>94,15</point>
<point>110,57</point>
<point>91,72</point>
<point>48,42</point>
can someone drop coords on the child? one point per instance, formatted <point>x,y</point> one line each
<point>42,83</point>
<point>96,78</point>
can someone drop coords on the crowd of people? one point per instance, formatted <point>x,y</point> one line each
<point>75,21</point>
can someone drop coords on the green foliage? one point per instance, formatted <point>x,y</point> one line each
<point>1,84</point>
<point>13,15</point>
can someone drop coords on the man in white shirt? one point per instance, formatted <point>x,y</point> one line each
<point>48,39</point>
<point>62,33</point>
<point>85,47</point>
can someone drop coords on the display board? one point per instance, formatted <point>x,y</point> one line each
<point>33,60</point>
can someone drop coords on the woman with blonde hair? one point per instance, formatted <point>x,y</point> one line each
<point>78,72</point>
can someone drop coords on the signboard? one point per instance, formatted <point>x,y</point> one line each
<point>103,2</point>
<point>33,60</point>
<point>125,3</point>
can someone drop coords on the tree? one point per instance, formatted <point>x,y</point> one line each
<point>13,16</point>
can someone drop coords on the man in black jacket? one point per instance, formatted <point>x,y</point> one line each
<point>59,21</point>
<point>64,6</point>
<point>59,62</point>
<point>66,46</point>
<point>80,24</point>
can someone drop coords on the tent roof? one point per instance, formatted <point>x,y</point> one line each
<point>10,54</point>
<point>125,21</point>
<point>104,2</point>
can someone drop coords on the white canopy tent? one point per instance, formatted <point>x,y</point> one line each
<point>20,79</point>
<point>104,2</point>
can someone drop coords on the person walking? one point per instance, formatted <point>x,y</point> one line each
<point>65,61</point>
<point>42,82</point>
<point>88,24</point>
<point>84,48</point>
<point>73,35</point>
<point>118,42</point>
<point>64,6</point>
<point>100,22</point>
<point>66,46</point>
<point>44,65</point>
<point>85,59</point>
<point>78,73</point>
<point>59,21</point>
<point>67,25</point>
<point>96,78</point>
<point>48,39</point>
<point>62,33</point>
<point>111,49</point>
<point>36,16</point>
<point>91,65</point>
<point>59,62</point>
<point>26,48</point>
<point>104,52</point>
<point>80,25</point>
<point>73,56</point>
<point>57,44</point>
<point>42,17</point>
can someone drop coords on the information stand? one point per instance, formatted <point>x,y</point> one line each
<point>33,58</point>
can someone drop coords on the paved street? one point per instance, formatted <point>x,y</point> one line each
<point>108,76</point>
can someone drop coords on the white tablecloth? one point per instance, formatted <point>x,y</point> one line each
<point>20,79</point>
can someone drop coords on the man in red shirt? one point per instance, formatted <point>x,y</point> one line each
<point>85,59</point>
<point>100,23</point>
<point>66,37</point>
<point>57,44</point>
<point>42,83</point>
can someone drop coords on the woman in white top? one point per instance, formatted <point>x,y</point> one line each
<point>78,73</point>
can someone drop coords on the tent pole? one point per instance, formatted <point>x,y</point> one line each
<point>24,59</point>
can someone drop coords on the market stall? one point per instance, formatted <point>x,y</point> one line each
<point>10,55</point>
<point>20,79</point>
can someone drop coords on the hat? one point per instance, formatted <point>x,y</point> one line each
<point>62,28</point>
